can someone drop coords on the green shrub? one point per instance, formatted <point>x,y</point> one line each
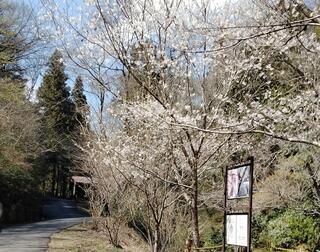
<point>21,199</point>
<point>211,221</point>
<point>292,229</point>
<point>213,236</point>
<point>260,222</point>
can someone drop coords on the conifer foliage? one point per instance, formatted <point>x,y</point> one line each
<point>80,102</point>
<point>54,99</point>
<point>58,122</point>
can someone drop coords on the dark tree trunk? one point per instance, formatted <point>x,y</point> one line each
<point>53,185</point>
<point>58,181</point>
<point>64,186</point>
<point>194,209</point>
<point>156,239</point>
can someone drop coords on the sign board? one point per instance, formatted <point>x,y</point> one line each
<point>238,184</point>
<point>237,229</point>
<point>237,225</point>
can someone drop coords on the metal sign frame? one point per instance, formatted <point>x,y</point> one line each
<point>249,213</point>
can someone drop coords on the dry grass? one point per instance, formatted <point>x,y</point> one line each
<point>81,238</point>
<point>298,249</point>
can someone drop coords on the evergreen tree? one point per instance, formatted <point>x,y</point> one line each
<point>58,122</point>
<point>56,105</point>
<point>80,102</point>
<point>81,124</point>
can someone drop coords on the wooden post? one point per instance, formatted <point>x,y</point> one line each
<point>225,209</point>
<point>250,204</point>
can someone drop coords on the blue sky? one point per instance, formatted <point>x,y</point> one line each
<point>71,6</point>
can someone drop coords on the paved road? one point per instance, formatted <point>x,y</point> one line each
<point>35,236</point>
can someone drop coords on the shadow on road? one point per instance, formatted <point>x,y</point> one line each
<point>59,214</point>
<point>61,208</point>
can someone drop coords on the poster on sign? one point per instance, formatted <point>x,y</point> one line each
<point>238,182</point>
<point>237,229</point>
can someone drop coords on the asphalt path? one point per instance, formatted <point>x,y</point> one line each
<point>35,237</point>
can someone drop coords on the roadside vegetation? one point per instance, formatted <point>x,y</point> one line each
<point>18,118</point>
<point>37,127</point>
<point>82,238</point>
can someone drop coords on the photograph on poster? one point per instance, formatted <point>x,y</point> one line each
<point>237,230</point>
<point>238,182</point>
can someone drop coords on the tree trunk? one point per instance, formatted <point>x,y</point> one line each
<point>64,186</point>
<point>156,240</point>
<point>150,241</point>
<point>53,185</point>
<point>194,209</point>
<point>58,181</point>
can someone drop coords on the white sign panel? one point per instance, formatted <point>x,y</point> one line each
<point>237,229</point>
<point>238,182</point>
